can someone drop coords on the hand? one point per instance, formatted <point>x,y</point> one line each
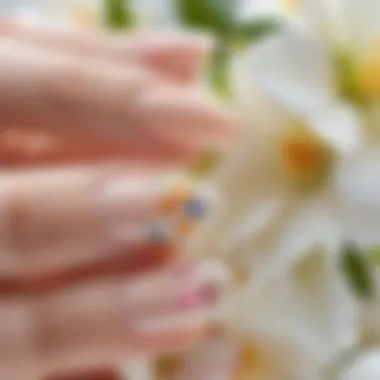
<point>78,97</point>
<point>88,273</point>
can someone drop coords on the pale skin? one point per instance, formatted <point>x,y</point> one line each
<point>84,280</point>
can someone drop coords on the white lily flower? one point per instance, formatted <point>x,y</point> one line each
<point>294,182</point>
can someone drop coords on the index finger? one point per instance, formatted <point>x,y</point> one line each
<point>74,95</point>
<point>176,56</point>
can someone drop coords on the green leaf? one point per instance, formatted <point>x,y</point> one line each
<point>357,270</point>
<point>346,68</point>
<point>216,16</point>
<point>219,73</point>
<point>252,31</point>
<point>118,14</point>
<point>375,255</point>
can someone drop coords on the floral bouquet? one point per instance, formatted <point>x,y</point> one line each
<point>299,224</point>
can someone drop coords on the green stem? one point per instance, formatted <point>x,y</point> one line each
<point>219,73</point>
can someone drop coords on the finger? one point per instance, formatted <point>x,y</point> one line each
<point>77,96</point>
<point>93,374</point>
<point>104,322</point>
<point>71,224</point>
<point>175,55</point>
<point>20,147</point>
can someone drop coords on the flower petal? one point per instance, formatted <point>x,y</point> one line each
<point>295,317</point>
<point>292,69</point>
<point>253,193</point>
<point>214,358</point>
<point>357,185</point>
<point>362,18</point>
<point>304,224</point>
<point>329,19</point>
<point>340,126</point>
<point>140,369</point>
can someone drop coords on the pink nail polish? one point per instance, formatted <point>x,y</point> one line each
<point>190,299</point>
<point>209,294</point>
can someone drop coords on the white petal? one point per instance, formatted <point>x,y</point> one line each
<point>212,359</point>
<point>140,369</point>
<point>365,367</point>
<point>290,326</point>
<point>350,22</point>
<point>340,126</point>
<point>299,228</point>
<point>329,20</point>
<point>363,25</point>
<point>292,69</point>
<point>250,178</point>
<point>324,299</point>
<point>357,185</point>
<point>306,310</point>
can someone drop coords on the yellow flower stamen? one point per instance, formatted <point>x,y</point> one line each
<point>291,5</point>
<point>368,78</point>
<point>305,155</point>
<point>83,16</point>
<point>251,363</point>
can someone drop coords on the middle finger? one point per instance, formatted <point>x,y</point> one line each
<point>56,222</point>
<point>176,56</point>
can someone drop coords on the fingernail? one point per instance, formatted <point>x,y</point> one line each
<point>184,113</point>
<point>156,210</point>
<point>203,284</point>
<point>183,196</point>
<point>161,231</point>
<point>156,232</point>
<point>198,288</point>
